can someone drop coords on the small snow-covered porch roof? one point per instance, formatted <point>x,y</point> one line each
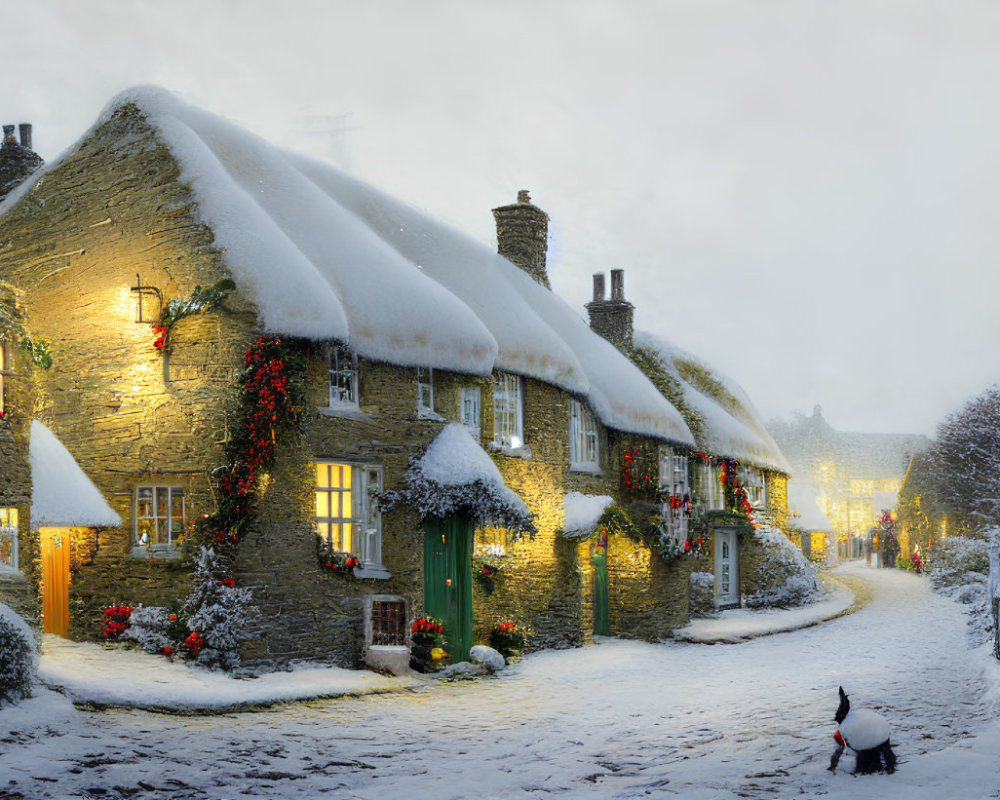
<point>62,495</point>
<point>456,476</point>
<point>583,513</point>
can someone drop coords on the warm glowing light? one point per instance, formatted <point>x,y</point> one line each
<point>8,517</point>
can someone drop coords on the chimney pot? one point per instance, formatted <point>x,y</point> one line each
<point>523,196</point>
<point>598,287</point>
<point>8,133</point>
<point>618,284</point>
<point>25,131</point>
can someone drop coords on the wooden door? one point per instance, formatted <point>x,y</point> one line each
<point>55,580</point>
<point>599,558</point>
<point>448,580</point>
<point>727,582</point>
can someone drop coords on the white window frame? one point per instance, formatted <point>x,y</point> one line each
<point>710,495</point>
<point>471,405</point>
<point>675,479</point>
<point>584,441</point>
<point>425,393</point>
<point>342,377</point>
<point>508,413</point>
<point>365,516</point>
<point>752,480</point>
<point>8,538</point>
<point>172,493</point>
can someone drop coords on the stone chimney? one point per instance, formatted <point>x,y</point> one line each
<point>612,318</point>
<point>17,159</point>
<point>523,236</point>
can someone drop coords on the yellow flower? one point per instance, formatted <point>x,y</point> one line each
<point>438,653</point>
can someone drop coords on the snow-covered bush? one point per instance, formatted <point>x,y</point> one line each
<point>778,574</point>
<point>959,568</point>
<point>703,595</point>
<point>150,628</point>
<point>18,656</point>
<point>220,612</point>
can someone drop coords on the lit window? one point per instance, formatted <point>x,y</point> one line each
<point>159,515</point>
<point>470,409</point>
<point>347,515</point>
<point>677,505</point>
<point>583,449</point>
<point>343,371</point>
<point>425,390</point>
<point>508,425</point>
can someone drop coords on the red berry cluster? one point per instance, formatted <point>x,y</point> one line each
<point>116,621</point>
<point>193,644</point>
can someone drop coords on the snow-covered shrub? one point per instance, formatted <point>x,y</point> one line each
<point>220,612</point>
<point>18,656</point>
<point>150,628</point>
<point>778,574</point>
<point>703,595</point>
<point>959,568</point>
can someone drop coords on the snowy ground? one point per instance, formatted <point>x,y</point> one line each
<point>614,720</point>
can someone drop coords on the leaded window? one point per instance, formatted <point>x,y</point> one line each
<point>583,439</point>
<point>347,514</point>
<point>508,423</point>
<point>160,516</point>
<point>343,376</point>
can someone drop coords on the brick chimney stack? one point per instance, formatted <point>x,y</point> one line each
<point>612,318</point>
<point>17,159</point>
<point>523,236</point>
<point>25,130</point>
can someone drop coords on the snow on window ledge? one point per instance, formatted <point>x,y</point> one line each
<point>166,552</point>
<point>589,468</point>
<point>426,413</point>
<point>372,571</point>
<point>345,411</point>
<point>515,452</point>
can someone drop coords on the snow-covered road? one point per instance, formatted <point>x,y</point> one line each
<point>615,720</point>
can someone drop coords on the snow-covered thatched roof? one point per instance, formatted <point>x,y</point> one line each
<point>62,495</point>
<point>327,257</point>
<point>730,425</point>
<point>454,476</point>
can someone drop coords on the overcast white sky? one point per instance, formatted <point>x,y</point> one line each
<point>804,194</point>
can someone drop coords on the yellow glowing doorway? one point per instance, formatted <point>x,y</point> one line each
<point>55,580</point>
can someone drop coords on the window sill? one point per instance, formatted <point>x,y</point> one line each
<point>590,469</point>
<point>376,571</point>
<point>345,412</point>
<point>163,552</point>
<point>514,452</point>
<point>426,413</point>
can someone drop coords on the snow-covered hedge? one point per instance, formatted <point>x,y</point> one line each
<point>18,657</point>
<point>703,594</point>
<point>778,574</point>
<point>959,568</point>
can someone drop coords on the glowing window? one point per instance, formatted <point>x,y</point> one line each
<point>583,447</point>
<point>8,538</point>
<point>508,424</point>
<point>347,514</point>
<point>160,515</point>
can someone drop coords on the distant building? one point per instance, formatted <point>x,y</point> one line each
<point>857,475</point>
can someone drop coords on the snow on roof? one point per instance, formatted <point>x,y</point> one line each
<point>583,512</point>
<point>62,495</point>
<point>732,427</point>
<point>803,499</point>
<point>325,256</point>
<point>455,475</point>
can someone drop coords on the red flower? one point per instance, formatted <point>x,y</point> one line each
<point>228,582</point>
<point>161,337</point>
<point>168,650</point>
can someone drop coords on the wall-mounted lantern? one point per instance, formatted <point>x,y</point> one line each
<point>148,302</point>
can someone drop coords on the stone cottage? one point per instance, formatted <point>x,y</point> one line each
<point>157,251</point>
<point>736,474</point>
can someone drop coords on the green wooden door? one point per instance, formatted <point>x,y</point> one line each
<point>599,558</point>
<point>448,580</point>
